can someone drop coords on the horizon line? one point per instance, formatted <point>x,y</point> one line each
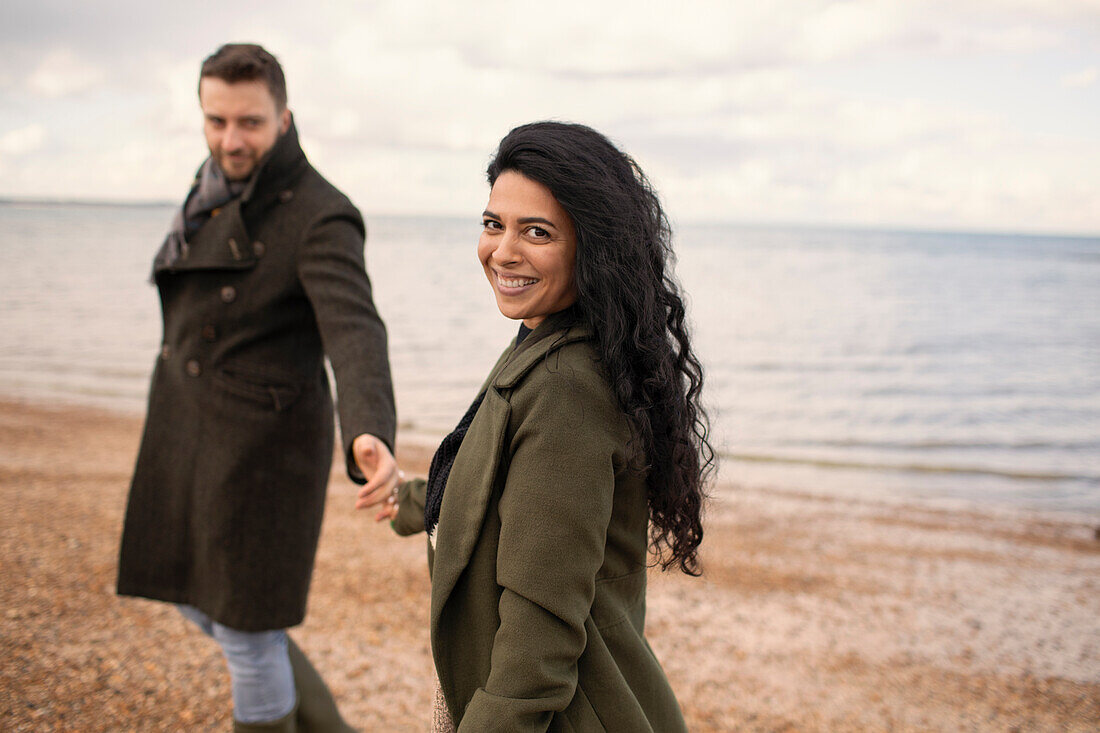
<point>700,222</point>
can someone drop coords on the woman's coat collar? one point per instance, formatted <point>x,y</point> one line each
<point>555,331</point>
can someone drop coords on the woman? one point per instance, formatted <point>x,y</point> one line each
<point>585,447</point>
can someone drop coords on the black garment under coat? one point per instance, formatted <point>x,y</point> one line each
<point>228,494</point>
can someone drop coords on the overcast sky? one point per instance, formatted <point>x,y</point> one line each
<point>967,114</point>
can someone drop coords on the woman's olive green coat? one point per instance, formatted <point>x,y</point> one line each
<point>539,560</point>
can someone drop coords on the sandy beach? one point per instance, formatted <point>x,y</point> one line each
<point>814,614</point>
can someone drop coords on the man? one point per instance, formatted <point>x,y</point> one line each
<point>261,276</point>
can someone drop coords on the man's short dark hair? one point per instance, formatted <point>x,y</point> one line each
<point>236,62</point>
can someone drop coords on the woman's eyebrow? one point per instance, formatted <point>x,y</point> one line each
<point>525,220</point>
<point>537,220</point>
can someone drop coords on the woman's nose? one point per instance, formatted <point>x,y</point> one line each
<point>507,250</point>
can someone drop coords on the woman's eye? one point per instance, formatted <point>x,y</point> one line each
<point>538,232</point>
<point>490,224</point>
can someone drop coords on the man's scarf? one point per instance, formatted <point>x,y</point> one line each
<point>211,191</point>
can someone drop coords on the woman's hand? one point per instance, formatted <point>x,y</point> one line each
<point>389,507</point>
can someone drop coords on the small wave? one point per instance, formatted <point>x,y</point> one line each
<point>1085,256</point>
<point>807,367</point>
<point>36,370</point>
<point>947,444</point>
<point>920,468</point>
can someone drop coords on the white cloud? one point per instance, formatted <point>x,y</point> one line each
<point>844,29</point>
<point>826,158</point>
<point>177,107</point>
<point>61,72</point>
<point>1081,79</point>
<point>23,140</point>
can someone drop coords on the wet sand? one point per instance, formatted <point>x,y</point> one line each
<point>814,614</point>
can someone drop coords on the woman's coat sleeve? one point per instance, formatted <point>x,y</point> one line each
<point>410,507</point>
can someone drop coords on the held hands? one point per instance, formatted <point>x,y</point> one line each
<point>389,509</point>
<point>383,477</point>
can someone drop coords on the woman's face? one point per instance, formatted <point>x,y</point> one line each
<point>528,249</point>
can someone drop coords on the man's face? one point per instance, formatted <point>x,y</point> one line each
<point>241,123</point>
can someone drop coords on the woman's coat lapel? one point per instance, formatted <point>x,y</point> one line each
<point>463,512</point>
<point>473,476</point>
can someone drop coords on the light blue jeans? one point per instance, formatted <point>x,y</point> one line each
<point>259,668</point>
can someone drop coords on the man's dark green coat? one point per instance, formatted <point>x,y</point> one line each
<point>228,494</point>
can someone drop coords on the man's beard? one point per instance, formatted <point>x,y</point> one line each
<point>237,167</point>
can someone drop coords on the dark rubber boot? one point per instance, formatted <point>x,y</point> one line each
<point>317,711</point>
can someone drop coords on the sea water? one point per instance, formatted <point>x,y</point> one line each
<point>912,365</point>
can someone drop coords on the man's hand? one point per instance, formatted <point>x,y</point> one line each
<point>379,468</point>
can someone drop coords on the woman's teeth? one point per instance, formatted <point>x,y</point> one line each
<point>515,282</point>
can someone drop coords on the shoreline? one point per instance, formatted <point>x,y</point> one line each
<point>419,440</point>
<point>815,612</point>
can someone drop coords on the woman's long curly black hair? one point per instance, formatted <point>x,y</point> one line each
<point>628,295</point>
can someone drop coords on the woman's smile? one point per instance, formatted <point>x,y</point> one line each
<point>513,284</point>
